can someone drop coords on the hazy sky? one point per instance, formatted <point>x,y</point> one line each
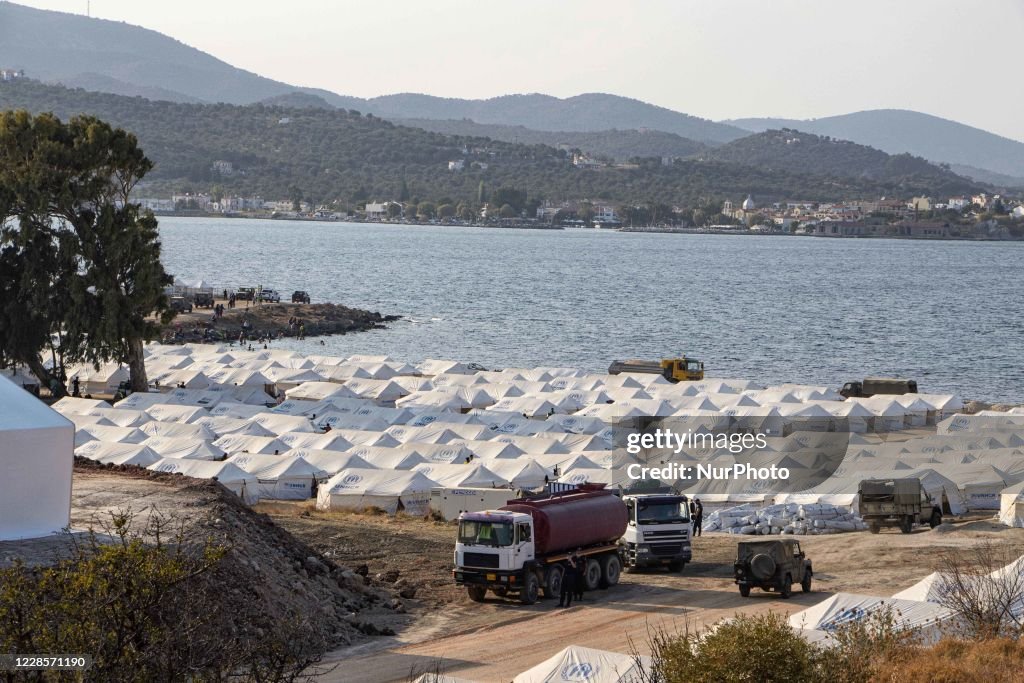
<point>712,58</point>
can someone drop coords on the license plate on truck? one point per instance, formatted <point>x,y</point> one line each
<point>492,577</point>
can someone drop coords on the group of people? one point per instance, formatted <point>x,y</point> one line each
<point>297,327</point>
<point>218,312</point>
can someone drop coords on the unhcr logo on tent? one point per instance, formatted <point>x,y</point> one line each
<point>351,480</point>
<point>579,672</point>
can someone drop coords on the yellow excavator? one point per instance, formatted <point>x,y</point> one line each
<point>681,369</point>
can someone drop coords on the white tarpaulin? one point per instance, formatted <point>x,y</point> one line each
<point>118,453</point>
<point>36,456</point>
<point>576,664</point>
<point>387,490</point>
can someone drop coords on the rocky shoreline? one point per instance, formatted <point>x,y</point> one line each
<point>266,322</point>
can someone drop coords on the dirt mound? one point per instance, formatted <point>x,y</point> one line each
<point>268,575</point>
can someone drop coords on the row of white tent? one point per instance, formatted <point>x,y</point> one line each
<point>407,423</point>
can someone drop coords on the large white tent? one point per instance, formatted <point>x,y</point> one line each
<point>588,665</point>
<point>930,620</point>
<point>36,457</point>
<point>234,478</point>
<point>288,477</point>
<point>390,491</point>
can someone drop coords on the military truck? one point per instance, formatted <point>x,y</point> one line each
<point>773,566</point>
<point>680,369</point>
<point>874,386</point>
<point>181,304</point>
<point>897,502</point>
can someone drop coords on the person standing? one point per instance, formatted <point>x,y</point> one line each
<point>569,574</point>
<point>581,578</point>
<point>697,513</point>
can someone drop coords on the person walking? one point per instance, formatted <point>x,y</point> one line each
<point>581,578</point>
<point>697,513</point>
<point>569,574</point>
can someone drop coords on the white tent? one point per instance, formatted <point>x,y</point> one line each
<point>69,405</point>
<point>387,458</point>
<point>280,477</point>
<point>123,417</point>
<point>390,491</point>
<point>520,473</point>
<point>177,430</point>
<point>118,453</point>
<point>266,445</point>
<point>330,462</point>
<point>172,447</point>
<point>165,412</point>
<point>36,456</point>
<point>461,475</point>
<point>112,434</point>
<point>587,665</point>
<point>432,366</point>
<point>235,479</point>
<point>319,391</point>
<point>331,441</point>
<point>1011,505</point>
<point>222,426</point>
<point>283,424</point>
<point>927,618</point>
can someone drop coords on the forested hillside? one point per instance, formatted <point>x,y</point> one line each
<point>792,150</point>
<point>344,156</point>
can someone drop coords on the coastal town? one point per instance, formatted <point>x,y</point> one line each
<point>981,216</point>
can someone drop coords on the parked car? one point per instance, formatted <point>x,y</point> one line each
<point>300,297</point>
<point>245,293</point>
<point>203,300</point>
<point>270,296</point>
<point>181,304</point>
<point>773,565</point>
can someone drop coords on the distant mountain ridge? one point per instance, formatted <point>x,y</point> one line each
<point>119,58</point>
<point>620,145</point>
<point>898,131</point>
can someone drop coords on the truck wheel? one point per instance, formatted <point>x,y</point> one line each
<point>592,577</point>
<point>744,590</point>
<point>676,566</point>
<point>531,588</point>
<point>907,524</point>
<point>476,593</point>
<point>874,528</point>
<point>806,583</point>
<point>936,519</point>
<point>553,586</point>
<point>787,587</point>
<point>611,570</point>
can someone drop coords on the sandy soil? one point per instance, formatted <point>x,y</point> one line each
<point>496,640</point>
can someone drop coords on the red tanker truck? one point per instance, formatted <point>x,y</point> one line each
<point>519,549</point>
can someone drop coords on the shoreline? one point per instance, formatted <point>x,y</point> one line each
<point>270,321</point>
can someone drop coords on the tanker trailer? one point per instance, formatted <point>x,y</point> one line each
<point>519,549</point>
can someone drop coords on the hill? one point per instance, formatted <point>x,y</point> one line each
<point>589,112</point>
<point>297,100</point>
<point>899,131</point>
<point>124,59</point>
<point>620,145</point>
<point>338,154</point>
<point>792,150</point>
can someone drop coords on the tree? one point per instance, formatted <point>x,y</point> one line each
<point>507,211</point>
<point>481,193</point>
<point>295,197</point>
<point>394,210</point>
<point>85,261</point>
<point>425,210</point>
<point>446,211</point>
<point>403,192</point>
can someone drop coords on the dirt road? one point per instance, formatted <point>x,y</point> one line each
<point>496,640</point>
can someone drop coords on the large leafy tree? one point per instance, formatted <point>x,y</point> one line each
<point>82,270</point>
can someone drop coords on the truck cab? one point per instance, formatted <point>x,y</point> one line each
<point>492,551</point>
<point>658,531</point>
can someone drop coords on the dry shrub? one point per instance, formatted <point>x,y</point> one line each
<point>956,661</point>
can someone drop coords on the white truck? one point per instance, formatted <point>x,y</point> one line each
<point>658,531</point>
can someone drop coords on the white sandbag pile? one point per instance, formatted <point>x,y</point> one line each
<point>788,518</point>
